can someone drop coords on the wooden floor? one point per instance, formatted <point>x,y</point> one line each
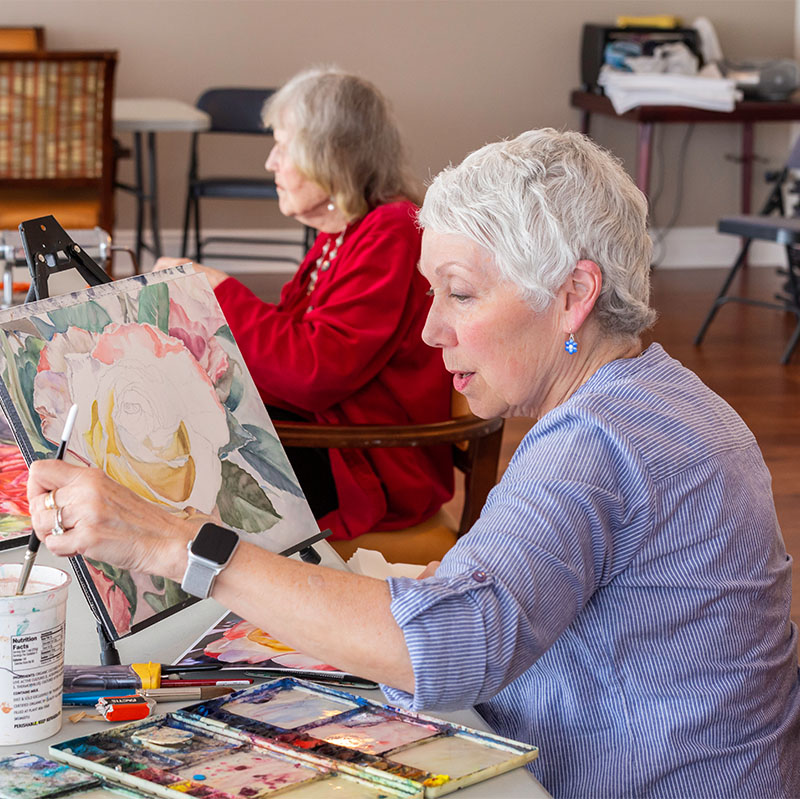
<point>739,360</point>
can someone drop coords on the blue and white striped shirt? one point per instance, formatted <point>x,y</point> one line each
<point>623,600</point>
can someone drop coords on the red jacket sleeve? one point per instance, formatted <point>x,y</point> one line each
<point>363,305</point>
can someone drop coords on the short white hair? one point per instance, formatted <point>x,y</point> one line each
<point>542,202</point>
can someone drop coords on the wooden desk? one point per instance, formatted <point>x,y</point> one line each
<point>151,116</point>
<point>746,113</point>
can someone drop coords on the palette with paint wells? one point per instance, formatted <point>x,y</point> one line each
<point>27,776</point>
<point>169,756</point>
<point>314,733</point>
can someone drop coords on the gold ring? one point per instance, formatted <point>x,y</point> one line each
<point>57,528</point>
<point>50,500</point>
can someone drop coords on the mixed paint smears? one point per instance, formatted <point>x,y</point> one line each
<point>288,708</point>
<point>34,777</point>
<point>373,731</point>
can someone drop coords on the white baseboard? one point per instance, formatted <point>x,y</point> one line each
<point>171,241</point>
<point>690,247</point>
<point>682,248</point>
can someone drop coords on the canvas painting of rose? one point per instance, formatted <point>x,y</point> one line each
<point>236,643</point>
<point>166,407</point>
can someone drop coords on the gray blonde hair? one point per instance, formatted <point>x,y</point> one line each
<point>345,139</point>
<point>542,202</point>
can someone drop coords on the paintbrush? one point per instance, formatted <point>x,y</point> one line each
<point>33,542</point>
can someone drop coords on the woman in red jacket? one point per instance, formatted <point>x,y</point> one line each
<point>343,345</point>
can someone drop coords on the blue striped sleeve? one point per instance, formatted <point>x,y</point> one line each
<point>520,577</point>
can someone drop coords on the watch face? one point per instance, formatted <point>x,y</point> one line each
<point>214,543</point>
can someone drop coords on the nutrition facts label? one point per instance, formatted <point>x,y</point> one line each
<point>38,663</point>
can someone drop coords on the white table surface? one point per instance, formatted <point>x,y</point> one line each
<point>165,641</point>
<point>157,114</point>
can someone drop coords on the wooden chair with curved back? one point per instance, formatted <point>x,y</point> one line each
<point>476,451</point>
<point>56,145</point>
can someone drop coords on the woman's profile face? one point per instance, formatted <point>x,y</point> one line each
<point>298,197</point>
<point>502,354</point>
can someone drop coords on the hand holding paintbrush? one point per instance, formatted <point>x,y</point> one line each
<point>33,543</point>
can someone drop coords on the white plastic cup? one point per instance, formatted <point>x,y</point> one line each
<point>32,629</point>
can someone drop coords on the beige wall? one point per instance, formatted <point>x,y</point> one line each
<point>459,73</point>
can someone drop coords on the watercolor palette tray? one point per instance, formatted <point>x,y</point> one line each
<point>27,776</point>
<point>315,727</point>
<point>170,757</point>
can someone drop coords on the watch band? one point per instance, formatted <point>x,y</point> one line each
<point>208,553</point>
<point>199,576</point>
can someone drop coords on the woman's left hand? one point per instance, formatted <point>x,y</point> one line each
<point>105,521</point>
<point>215,276</point>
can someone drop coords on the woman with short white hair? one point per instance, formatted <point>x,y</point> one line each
<point>623,601</point>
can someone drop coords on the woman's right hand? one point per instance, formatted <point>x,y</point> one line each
<point>106,521</point>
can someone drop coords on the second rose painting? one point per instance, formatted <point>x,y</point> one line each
<point>166,408</point>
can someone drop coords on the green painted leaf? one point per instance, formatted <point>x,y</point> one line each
<point>127,311</point>
<point>267,456</point>
<point>89,316</point>
<point>156,601</point>
<point>158,582</point>
<point>238,435</point>
<point>18,376</point>
<point>154,306</point>
<point>235,386</point>
<point>225,332</point>
<point>242,503</point>
<point>171,595</point>
<point>121,578</point>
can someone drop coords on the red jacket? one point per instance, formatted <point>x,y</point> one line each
<point>356,356</point>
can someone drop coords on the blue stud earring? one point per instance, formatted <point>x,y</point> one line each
<point>570,345</point>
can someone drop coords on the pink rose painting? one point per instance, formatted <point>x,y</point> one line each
<point>166,407</point>
<point>14,514</point>
<point>235,641</point>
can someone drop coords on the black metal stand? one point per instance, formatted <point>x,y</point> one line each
<point>109,656</point>
<point>49,249</point>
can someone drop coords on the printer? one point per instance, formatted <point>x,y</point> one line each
<point>596,38</point>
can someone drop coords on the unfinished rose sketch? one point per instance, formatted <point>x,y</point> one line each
<point>166,407</point>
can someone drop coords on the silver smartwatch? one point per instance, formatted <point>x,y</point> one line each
<point>210,551</point>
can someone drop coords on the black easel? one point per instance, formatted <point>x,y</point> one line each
<point>49,249</point>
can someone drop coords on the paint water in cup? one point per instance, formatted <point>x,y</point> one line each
<point>32,630</point>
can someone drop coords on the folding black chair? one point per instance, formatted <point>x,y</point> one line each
<point>767,226</point>
<point>232,111</point>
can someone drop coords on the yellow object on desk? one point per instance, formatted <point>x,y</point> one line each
<point>656,21</point>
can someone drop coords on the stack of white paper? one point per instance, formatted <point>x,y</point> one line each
<point>628,90</point>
